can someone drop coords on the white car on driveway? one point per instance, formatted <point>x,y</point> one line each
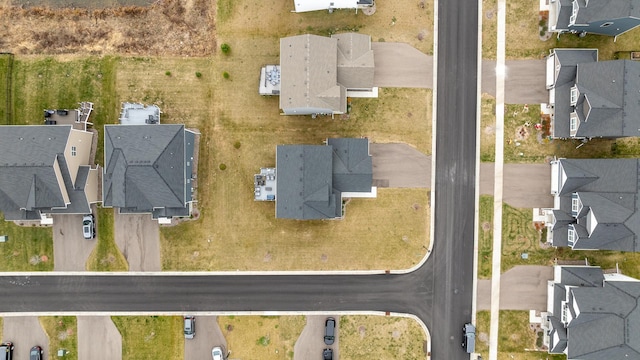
<point>217,354</point>
<point>88,226</point>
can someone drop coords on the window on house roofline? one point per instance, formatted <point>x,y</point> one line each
<point>574,95</point>
<point>73,151</point>
<point>575,204</point>
<point>571,236</point>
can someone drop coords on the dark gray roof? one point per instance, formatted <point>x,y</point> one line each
<point>564,14</point>
<point>608,323</point>
<point>145,167</point>
<point>608,192</point>
<point>608,105</point>
<point>352,165</point>
<point>568,60</point>
<point>598,10</point>
<point>311,178</point>
<point>304,183</point>
<point>605,318</point>
<point>28,181</point>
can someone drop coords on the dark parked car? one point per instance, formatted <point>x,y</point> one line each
<point>6,351</point>
<point>469,338</point>
<point>327,354</point>
<point>329,330</point>
<point>36,353</point>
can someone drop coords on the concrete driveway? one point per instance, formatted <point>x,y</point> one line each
<point>98,338</point>
<point>522,287</point>
<point>524,81</point>
<point>401,65</point>
<point>524,185</point>
<point>138,237</point>
<point>24,332</point>
<point>208,335</point>
<point>400,166</point>
<point>70,249</point>
<point>310,343</point>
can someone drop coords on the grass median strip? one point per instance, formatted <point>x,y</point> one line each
<point>150,337</point>
<point>261,337</point>
<point>106,256</point>
<point>63,335</point>
<point>377,337</point>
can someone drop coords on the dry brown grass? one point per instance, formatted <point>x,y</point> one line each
<point>168,27</point>
<point>377,337</point>
<point>261,337</point>
<point>489,29</point>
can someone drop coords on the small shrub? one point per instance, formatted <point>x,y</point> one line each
<point>225,75</point>
<point>237,144</point>
<point>225,48</point>
<point>168,73</point>
<point>223,167</point>
<point>264,341</point>
<point>198,74</point>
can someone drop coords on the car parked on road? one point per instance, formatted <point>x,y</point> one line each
<point>329,330</point>
<point>217,353</point>
<point>88,227</point>
<point>6,351</point>
<point>36,353</point>
<point>189,327</point>
<point>327,354</point>
<point>469,338</point>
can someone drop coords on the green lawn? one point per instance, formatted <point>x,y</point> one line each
<point>28,248</point>
<point>151,337</point>
<point>62,332</point>
<point>6,62</point>
<point>106,256</point>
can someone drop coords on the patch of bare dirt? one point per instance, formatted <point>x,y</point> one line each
<point>168,27</point>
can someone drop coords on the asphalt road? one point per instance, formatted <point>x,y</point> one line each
<point>451,263</point>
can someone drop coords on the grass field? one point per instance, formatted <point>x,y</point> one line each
<point>150,337</point>
<point>28,248</point>
<point>261,337</point>
<point>63,334</point>
<point>377,337</point>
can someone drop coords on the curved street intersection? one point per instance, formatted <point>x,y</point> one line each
<point>439,292</point>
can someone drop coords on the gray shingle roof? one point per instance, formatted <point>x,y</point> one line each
<point>28,155</point>
<point>608,192</point>
<point>608,103</point>
<point>568,59</point>
<point>145,167</point>
<point>599,10</point>
<point>352,164</point>
<point>311,178</point>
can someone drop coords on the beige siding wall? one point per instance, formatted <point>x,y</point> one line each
<point>80,141</point>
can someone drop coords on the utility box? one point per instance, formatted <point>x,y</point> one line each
<point>4,238</point>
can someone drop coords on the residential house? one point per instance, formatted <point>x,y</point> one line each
<point>592,314</point>
<point>316,73</point>
<point>311,181</point>
<point>603,17</point>
<point>591,99</point>
<point>149,169</point>
<point>595,204</point>
<point>46,169</point>
<point>330,5</point>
